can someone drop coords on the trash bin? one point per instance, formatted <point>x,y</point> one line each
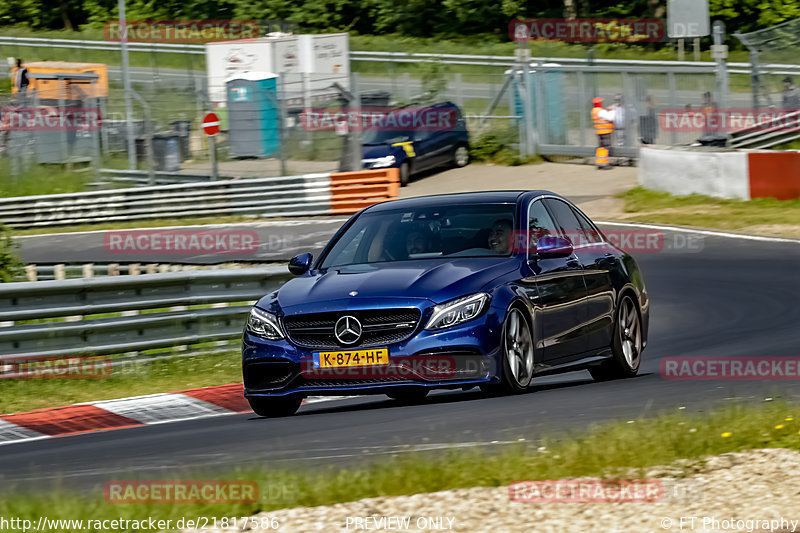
<point>183,128</point>
<point>116,134</point>
<point>166,151</point>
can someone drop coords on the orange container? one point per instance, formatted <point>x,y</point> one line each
<point>67,89</point>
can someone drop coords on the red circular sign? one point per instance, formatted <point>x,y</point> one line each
<point>211,124</point>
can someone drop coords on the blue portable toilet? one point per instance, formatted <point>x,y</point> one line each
<point>253,117</point>
<point>552,103</point>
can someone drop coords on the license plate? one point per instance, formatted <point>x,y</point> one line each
<point>377,356</point>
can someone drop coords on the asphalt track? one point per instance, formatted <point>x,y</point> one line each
<point>733,297</point>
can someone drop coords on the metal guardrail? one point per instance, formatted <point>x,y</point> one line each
<point>407,57</point>
<point>128,294</point>
<point>141,178</point>
<point>766,135</point>
<point>306,194</point>
<point>103,45</point>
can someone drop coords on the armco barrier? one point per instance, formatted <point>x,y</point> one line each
<point>721,173</point>
<point>26,301</point>
<point>308,194</point>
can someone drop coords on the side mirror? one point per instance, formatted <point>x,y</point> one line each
<point>300,264</point>
<point>554,247</point>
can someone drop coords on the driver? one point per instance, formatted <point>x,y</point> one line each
<point>500,236</point>
<point>417,242</point>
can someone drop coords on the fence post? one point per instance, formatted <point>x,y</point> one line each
<point>722,65</point>
<point>459,81</point>
<point>30,273</point>
<point>281,120</point>
<point>355,134</point>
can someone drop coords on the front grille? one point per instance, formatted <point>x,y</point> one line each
<point>380,326</point>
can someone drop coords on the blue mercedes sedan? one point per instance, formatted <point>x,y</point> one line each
<point>486,289</point>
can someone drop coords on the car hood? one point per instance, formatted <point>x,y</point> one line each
<point>432,279</point>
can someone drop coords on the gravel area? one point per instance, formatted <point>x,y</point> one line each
<point>738,490</point>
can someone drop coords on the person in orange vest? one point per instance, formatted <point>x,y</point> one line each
<point>604,126</point>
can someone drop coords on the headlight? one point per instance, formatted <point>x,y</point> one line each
<point>381,162</point>
<point>458,311</point>
<point>264,325</point>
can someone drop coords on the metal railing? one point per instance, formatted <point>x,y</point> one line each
<point>766,134</point>
<point>126,295</point>
<point>401,57</point>
<point>307,194</point>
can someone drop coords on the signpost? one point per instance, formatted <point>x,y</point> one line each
<point>211,128</point>
<point>688,19</point>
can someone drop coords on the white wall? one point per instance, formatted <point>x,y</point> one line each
<point>682,172</point>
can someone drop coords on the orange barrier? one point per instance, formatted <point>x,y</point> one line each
<point>774,175</point>
<point>353,191</point>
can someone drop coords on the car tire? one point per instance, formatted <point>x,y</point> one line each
<point>275,407</point>
<point>517,353</point>
<point>626,346</point>
<point>410,395</point>
<point>461,156</point>
<point>405,174</point>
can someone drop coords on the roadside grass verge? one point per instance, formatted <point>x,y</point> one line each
<point>760,215</point>
<point>610,450</point>
<point>41,179</point>
<point>134,379</point>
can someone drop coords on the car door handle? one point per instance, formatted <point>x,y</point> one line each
<point>573,261</point>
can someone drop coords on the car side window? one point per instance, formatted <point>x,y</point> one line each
<point>540,224</point>
<point>591,233</point>
<point>422,135</point>
<point>567,221</point>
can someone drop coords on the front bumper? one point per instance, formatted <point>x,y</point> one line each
<point>459,356</point>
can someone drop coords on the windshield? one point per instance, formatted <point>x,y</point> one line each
<point>425,233</point>
<point>386,136</point>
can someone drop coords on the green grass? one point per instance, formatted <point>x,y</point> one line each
<point>709,212</point>
<point>610,450</point>
<point>164,375</point>
<point>41,179</point>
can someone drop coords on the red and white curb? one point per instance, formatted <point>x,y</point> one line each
<point>127,412</point>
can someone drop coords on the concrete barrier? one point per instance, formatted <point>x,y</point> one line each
<point>721,173</point>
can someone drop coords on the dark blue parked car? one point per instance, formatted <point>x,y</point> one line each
<point>420,146</point>
<point>453,291</point>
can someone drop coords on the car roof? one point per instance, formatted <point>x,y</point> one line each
<point>481,197</point>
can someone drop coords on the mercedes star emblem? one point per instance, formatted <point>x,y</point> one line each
<point>353,293</point>
<point>347,330</point>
